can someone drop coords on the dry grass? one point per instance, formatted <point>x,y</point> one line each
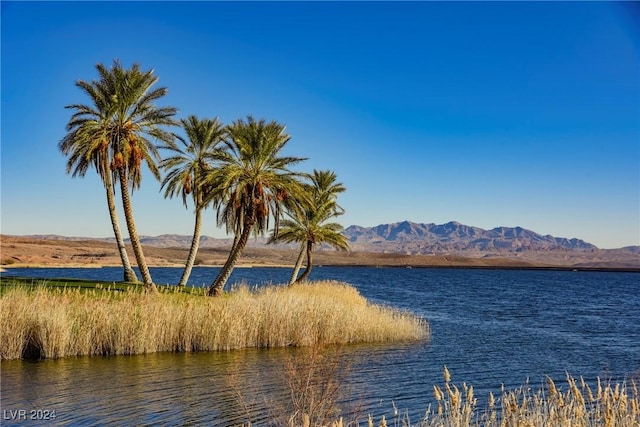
<point>606,405</point>
<point>52,323</point>
<point>317,382</point>
<point>578,406</point>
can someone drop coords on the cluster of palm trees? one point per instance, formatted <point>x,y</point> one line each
<point>238,169</point>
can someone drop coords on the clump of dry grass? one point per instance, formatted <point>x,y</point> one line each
<point>52,323</point>
<point>315,382</point>
<point>579,406</point>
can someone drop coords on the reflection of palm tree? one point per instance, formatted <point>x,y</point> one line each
<point>186,170</point>
<point>307,223</point>
<point>125,114</point>
<point>251,184</point>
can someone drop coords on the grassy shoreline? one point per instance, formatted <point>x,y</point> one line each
<point>60,318</point>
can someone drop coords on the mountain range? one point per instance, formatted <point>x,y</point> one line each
<point>408,237</point>
<point>433,241</point>
<point>403,237</point>
<point>453,237</point>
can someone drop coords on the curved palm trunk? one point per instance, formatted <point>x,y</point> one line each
<point>195,242</point>
<point>133,233</point>
<point>296,268</point>
<point>129,274</point>
<point>236,238</point>
<point>216,287</point>
<point>307,270</point>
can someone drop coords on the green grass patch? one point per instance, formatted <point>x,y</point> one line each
<point>12,282</point>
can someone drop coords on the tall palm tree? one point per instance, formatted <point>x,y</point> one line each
<point>307,223</point>
<point>129,118</point>
<point>251,184</point>
<point>187,167</point>
<point>84,146</point>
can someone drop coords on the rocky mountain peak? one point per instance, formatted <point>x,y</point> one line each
<point>407,236</point>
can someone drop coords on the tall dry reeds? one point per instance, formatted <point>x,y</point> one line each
<point>316,383</point>
<point>52,323</point>
<point>579,405</point>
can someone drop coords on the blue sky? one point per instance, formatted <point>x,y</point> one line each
<point>490,114</point>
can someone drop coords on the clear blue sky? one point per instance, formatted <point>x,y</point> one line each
<point>490,114</point>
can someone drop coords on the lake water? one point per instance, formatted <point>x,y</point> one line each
<point>489,327</point>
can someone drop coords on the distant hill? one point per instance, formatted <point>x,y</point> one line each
<point>453,237</point>
<point>441,240</point>
<point>180,241</point>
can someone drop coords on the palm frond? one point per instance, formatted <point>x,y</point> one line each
<point>309,212</point>
<point>188,168</point>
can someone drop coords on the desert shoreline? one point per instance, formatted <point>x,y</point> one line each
<point>30,252</point>
<point>423,267</point>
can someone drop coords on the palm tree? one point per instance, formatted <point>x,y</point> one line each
<point>251,184</point>
<point>124,103</point>
<point>187,168</point>
<point>83,145</point>
<point>307,223</point>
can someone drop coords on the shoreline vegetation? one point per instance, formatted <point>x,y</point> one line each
<point>75,318</point>
<point>315,390</point>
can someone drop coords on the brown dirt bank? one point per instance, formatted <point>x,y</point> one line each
<point>36,252</point>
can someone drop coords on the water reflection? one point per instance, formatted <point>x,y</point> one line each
<point>218,388</point>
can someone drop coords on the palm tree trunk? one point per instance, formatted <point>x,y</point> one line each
<point>236,237</point>
<point>195,242</point>
<point>307,270</point>
<point>216,287</point>
<point>129,274</point>
<point>133,234</point>
<point>296,269</point>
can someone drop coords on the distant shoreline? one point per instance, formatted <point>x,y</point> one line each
<point>423,267</point>
<point>22,252</point>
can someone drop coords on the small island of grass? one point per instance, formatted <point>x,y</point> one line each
<point>64,319</point>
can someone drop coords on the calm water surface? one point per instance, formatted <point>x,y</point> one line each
<point>490,327</point>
